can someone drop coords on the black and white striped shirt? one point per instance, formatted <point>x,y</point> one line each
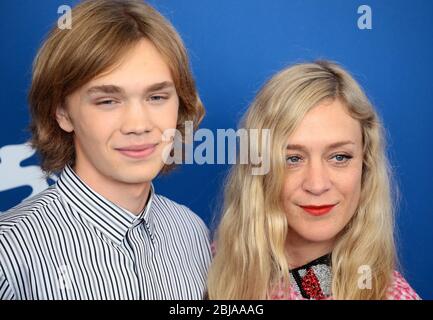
<point>69,242</point>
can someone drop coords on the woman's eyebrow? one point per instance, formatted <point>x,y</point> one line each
<point>334,145</point>
<point>340,144</point>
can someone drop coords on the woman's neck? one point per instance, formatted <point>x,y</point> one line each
<point>300,251</point>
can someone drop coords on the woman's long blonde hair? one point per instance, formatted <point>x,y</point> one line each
<point>250,257</point>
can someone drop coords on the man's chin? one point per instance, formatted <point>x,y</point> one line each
<point>138,178</point>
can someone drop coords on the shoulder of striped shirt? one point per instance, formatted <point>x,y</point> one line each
<point>186,214</point>
<point>27,209</point>
<point>30,207</point>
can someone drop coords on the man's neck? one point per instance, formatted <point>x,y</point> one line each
<point>132,197</point>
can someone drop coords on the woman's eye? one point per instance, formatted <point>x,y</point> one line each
<point>293,160</point>
<point>341,158</point>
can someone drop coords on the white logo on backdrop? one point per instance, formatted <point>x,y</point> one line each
<point>13,175</point>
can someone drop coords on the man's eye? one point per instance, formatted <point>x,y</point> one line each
<point>106,102</point>
<point>158,98</point>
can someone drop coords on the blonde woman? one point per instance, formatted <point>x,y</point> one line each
<point>319,225</point>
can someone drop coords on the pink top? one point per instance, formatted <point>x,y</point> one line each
<point>315,279</point>
<point>399,290</point>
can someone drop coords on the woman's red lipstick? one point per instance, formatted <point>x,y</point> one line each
<point>318,210</point>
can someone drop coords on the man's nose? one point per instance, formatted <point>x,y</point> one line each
<point>137,119</point>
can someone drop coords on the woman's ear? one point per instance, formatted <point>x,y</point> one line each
<point>63,119</point>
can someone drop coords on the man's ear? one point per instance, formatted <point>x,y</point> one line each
<point>63,119</point>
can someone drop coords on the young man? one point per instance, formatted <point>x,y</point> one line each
<point>102,96</point>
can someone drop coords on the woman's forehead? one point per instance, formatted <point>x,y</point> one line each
<point>327,124</point>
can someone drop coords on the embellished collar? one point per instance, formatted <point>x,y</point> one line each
<point>313,280</point>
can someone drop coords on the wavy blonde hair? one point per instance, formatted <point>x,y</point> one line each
<point>250,257</point>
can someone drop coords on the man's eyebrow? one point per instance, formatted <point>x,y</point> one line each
<point>331,146</point>
<point>112,89</point>
<point>160,86</point>
<point>105,89</point>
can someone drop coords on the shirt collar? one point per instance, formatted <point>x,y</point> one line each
<point>103,214</point>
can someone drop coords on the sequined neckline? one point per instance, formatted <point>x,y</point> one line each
<point>313,280</point>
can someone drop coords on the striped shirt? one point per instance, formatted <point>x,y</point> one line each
<point>69,242</point>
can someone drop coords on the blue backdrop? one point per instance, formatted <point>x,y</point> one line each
<point>234,47</point>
